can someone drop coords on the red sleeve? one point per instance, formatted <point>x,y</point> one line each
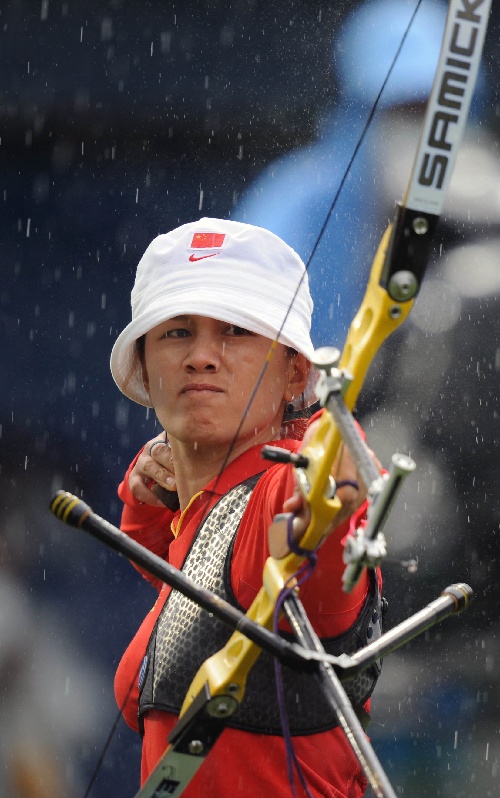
<point>149,526</point>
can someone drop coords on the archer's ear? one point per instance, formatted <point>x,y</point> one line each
<point>145,377</point>
<point>298,372</point>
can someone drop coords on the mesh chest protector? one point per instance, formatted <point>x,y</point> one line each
<point>185,636</point>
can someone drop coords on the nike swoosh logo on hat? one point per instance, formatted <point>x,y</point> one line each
<point>193,258</point>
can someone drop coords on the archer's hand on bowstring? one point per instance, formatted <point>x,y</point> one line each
<point>154,466</point>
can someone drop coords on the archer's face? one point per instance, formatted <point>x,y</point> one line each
<point>201,372</point>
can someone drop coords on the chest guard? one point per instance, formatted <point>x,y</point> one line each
<point>185,636</point>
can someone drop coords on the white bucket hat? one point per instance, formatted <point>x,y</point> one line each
<point>222,269</point>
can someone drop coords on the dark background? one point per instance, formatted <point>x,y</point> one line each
<point>121,120</point>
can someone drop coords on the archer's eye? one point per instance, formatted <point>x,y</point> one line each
<point>177,332</point>
<point>233,329</point>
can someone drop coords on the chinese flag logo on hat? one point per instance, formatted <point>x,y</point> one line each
<point>207,240</point>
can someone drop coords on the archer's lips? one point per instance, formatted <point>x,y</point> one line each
<point>201,388</point>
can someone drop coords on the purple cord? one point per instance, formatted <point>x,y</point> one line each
<point>301,575</point>
<point>345,482</point>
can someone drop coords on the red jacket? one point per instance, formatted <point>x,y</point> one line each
<point>244,764</point>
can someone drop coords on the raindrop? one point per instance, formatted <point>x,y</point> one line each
<point>70,383</point>
<point>122,415</point>
<point>227,36</point>
<point>165,41</point>
<point>44,11</point>
<point>106,29</point>
<point>41,186</point>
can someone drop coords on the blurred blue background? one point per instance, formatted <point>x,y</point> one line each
<point>121,120</point>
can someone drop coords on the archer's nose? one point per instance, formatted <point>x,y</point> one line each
<point>204,354</point>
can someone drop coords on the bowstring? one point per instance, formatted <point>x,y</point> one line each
<point>275,341</point>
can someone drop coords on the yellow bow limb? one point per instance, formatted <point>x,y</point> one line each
<point>376,319</point>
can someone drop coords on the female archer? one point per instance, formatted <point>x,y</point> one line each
<point>209,300</point>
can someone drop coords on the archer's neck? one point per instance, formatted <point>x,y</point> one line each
<point>196,466</point>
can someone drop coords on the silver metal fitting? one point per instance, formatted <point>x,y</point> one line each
<point>395,312</point>
<point>402,286</point>
<point>196,747</point>
<point>221,706</point>
<point>326,358</point>
<point>359,549</point>
<point>420,225</point>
